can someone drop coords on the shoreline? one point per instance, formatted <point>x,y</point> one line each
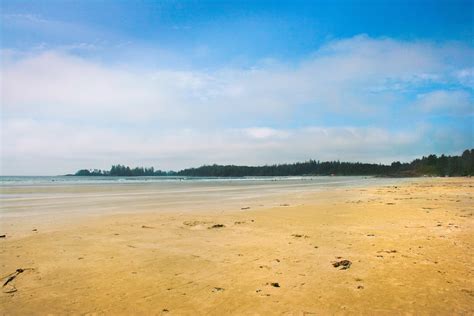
<point>408,245</point>
<point>46,205</point>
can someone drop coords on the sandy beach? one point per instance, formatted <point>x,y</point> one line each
<point>409,251</point>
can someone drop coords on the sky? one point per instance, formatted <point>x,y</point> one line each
<point>177,84</point>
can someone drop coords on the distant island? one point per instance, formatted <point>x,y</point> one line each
<point>432,165</point>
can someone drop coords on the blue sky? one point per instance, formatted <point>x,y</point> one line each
<point>211,33</point>
<point>175,84</point>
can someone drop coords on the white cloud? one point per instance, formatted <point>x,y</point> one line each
<point>265,133</point>
<point>455,102</point>
<point>353,75</point>
<point>466,76</point>
<point>65,112</point>
<point>33,146</point>
<point>33,18</point>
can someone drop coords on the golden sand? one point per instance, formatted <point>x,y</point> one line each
<point>410,249</point>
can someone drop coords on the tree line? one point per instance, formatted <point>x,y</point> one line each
<point>432,165</point>
<point>124,171</point>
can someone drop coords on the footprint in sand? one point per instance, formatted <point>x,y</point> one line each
<point>196,224</point>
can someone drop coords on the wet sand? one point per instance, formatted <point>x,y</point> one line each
<point>409,245</point>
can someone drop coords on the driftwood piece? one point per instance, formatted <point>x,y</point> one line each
<point>12,276</point>
<point>9,278</point>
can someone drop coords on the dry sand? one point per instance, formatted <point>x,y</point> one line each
<point>410,247</point>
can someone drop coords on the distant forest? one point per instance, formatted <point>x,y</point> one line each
<point>431,165</point>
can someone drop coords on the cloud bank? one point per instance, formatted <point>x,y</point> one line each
<point>362,98</point>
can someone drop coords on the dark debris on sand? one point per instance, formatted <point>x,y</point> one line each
<point>299,236</point>
<point>343,264</point>
<point>217,226</point>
